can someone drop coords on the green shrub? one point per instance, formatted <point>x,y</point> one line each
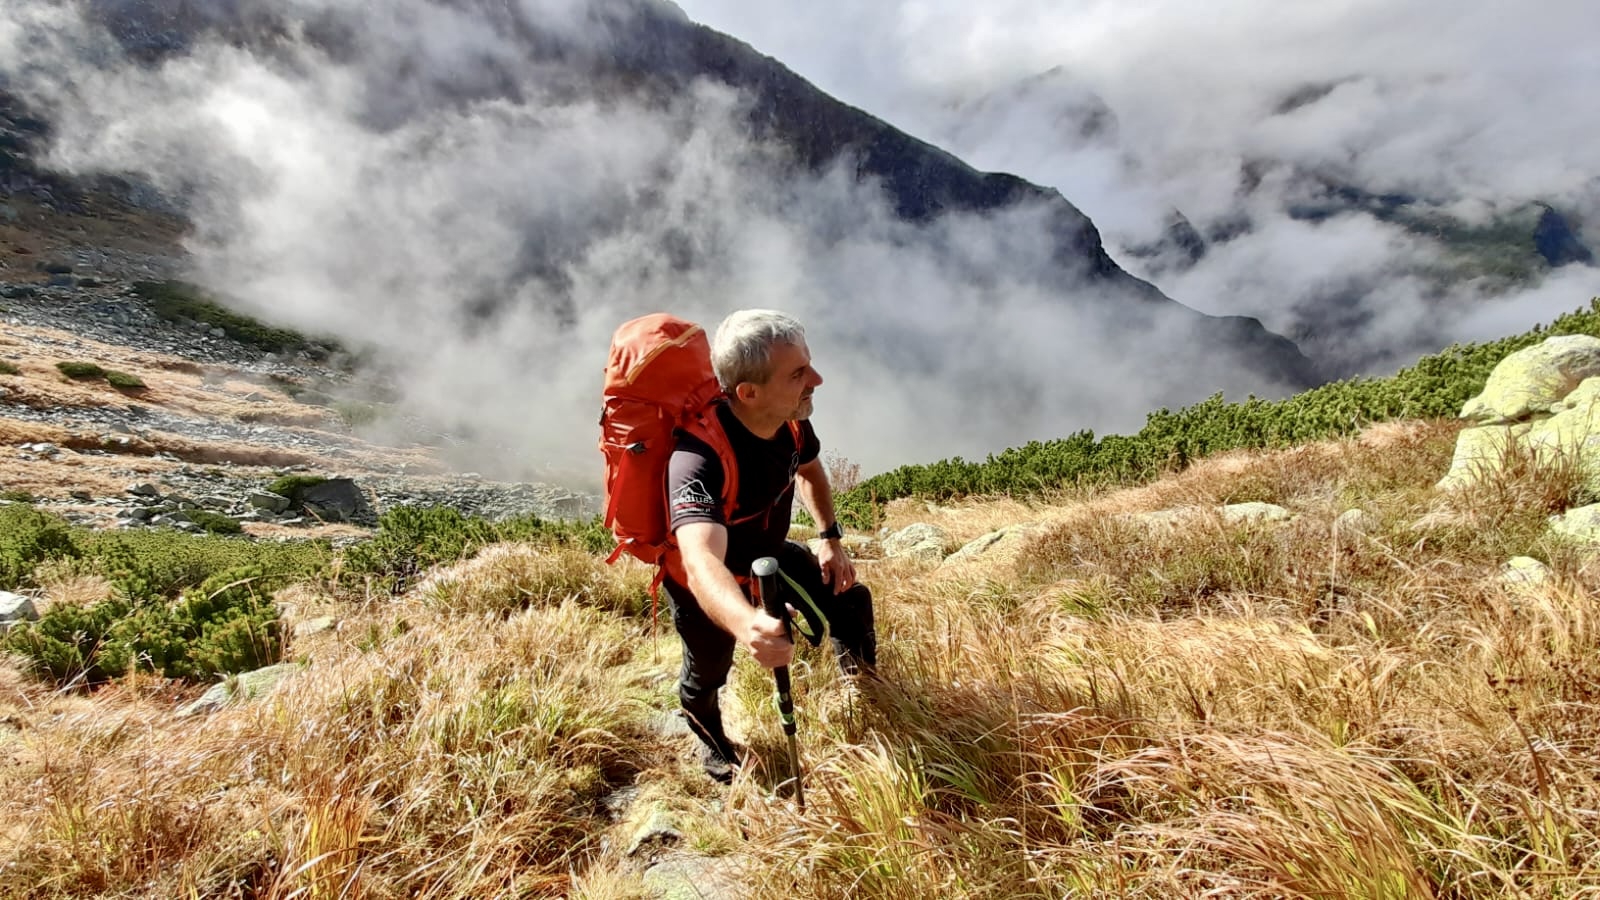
<point>122,381</point>
<point>292,486</point>
<point>80,370</point>
<point>226,625</point>
<point>356,413</point>
<point>71,644</point>
<point>9,368</point>
<point>411,539</point>
<point>29,537</point>
<point>214,522</point>
<point>145,565</point>
<point>16,496</point>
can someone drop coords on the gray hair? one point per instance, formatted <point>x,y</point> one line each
<point>742,348</point>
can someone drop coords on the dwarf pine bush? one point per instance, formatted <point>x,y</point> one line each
<point>185,606</point>
<point>177,300</point>
<point>122,381</point>
<point>29,537</point>
<point>412,539</point>
<point>292,486</point>
<point>226,625</point>
<point>215,522</point>
<point>1436,386</point>
<point>71,644</point>
<point>80,370</point>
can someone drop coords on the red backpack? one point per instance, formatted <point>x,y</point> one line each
<point>658,379</point>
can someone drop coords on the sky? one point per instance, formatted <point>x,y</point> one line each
<point>365,198</point>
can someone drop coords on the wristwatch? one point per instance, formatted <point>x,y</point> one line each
<point>832,532</point>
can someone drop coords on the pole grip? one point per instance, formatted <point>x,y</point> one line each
<point>764,575</point>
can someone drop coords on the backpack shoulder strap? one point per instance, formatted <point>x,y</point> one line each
<point>707,427</point>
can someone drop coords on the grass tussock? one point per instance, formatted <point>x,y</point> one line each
<point>1147,707</point>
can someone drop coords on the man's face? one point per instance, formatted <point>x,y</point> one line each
<point>787,394</point>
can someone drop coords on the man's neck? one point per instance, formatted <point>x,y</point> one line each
<point>758,425</point>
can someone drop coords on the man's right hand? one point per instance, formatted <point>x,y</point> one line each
<point>768,640</point>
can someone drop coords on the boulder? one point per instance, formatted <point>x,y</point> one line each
<point>15,609</point>
<point>1005,542</point>
<point>1480,451</point>
<point>273,503</point>
<point>1524,571</point>
<point>1256,512</point>
<point>1534,379</point>
<point>917,541</point>
<point>1569,430</point>
<point>658,832</point>
<point>241,687</point>
<point>1355,521</point>
<point>315,626</point>
<point>1581,525</point>
<point>335,500</point>
<point>696,878</point>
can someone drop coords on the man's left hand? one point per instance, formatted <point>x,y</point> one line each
<point>838,572</point>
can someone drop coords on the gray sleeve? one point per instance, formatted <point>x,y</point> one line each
<point>694,485</point>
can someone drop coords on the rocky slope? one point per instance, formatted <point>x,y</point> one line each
<point>218,419</point>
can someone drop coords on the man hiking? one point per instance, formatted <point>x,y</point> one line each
<point>764,367</point>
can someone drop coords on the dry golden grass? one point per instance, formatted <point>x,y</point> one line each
<point>1123,710</point>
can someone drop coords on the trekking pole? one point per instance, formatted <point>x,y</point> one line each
<point>764,572</point>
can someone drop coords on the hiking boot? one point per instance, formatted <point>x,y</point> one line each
<point>720,763</point>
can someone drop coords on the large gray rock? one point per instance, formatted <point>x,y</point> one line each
<point>1006,542</point>
<point>917,541</point>
<point>658,832</point>
<point>1255,512</point>
<point>1480,452</point>
<point>273,503</point>
<point>1567,432</point>
<point>241,687</point>
<point>695,878</point>
<point>15,609</point>
<point>1581,525</point>
<point>335,500</point>
<point>1355,521</point>
<point>1524,572</point>
<point>1534,379</point>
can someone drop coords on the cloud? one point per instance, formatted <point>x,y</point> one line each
<point>481,217</point>
<point>1465,106</point>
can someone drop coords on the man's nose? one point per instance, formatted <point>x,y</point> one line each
<point>816,378</point>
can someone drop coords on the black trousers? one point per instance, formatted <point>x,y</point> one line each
<point>708,650</point>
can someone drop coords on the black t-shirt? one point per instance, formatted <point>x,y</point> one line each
<point>766,485</point>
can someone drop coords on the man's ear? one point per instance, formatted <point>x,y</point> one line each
<point>744,391</point>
